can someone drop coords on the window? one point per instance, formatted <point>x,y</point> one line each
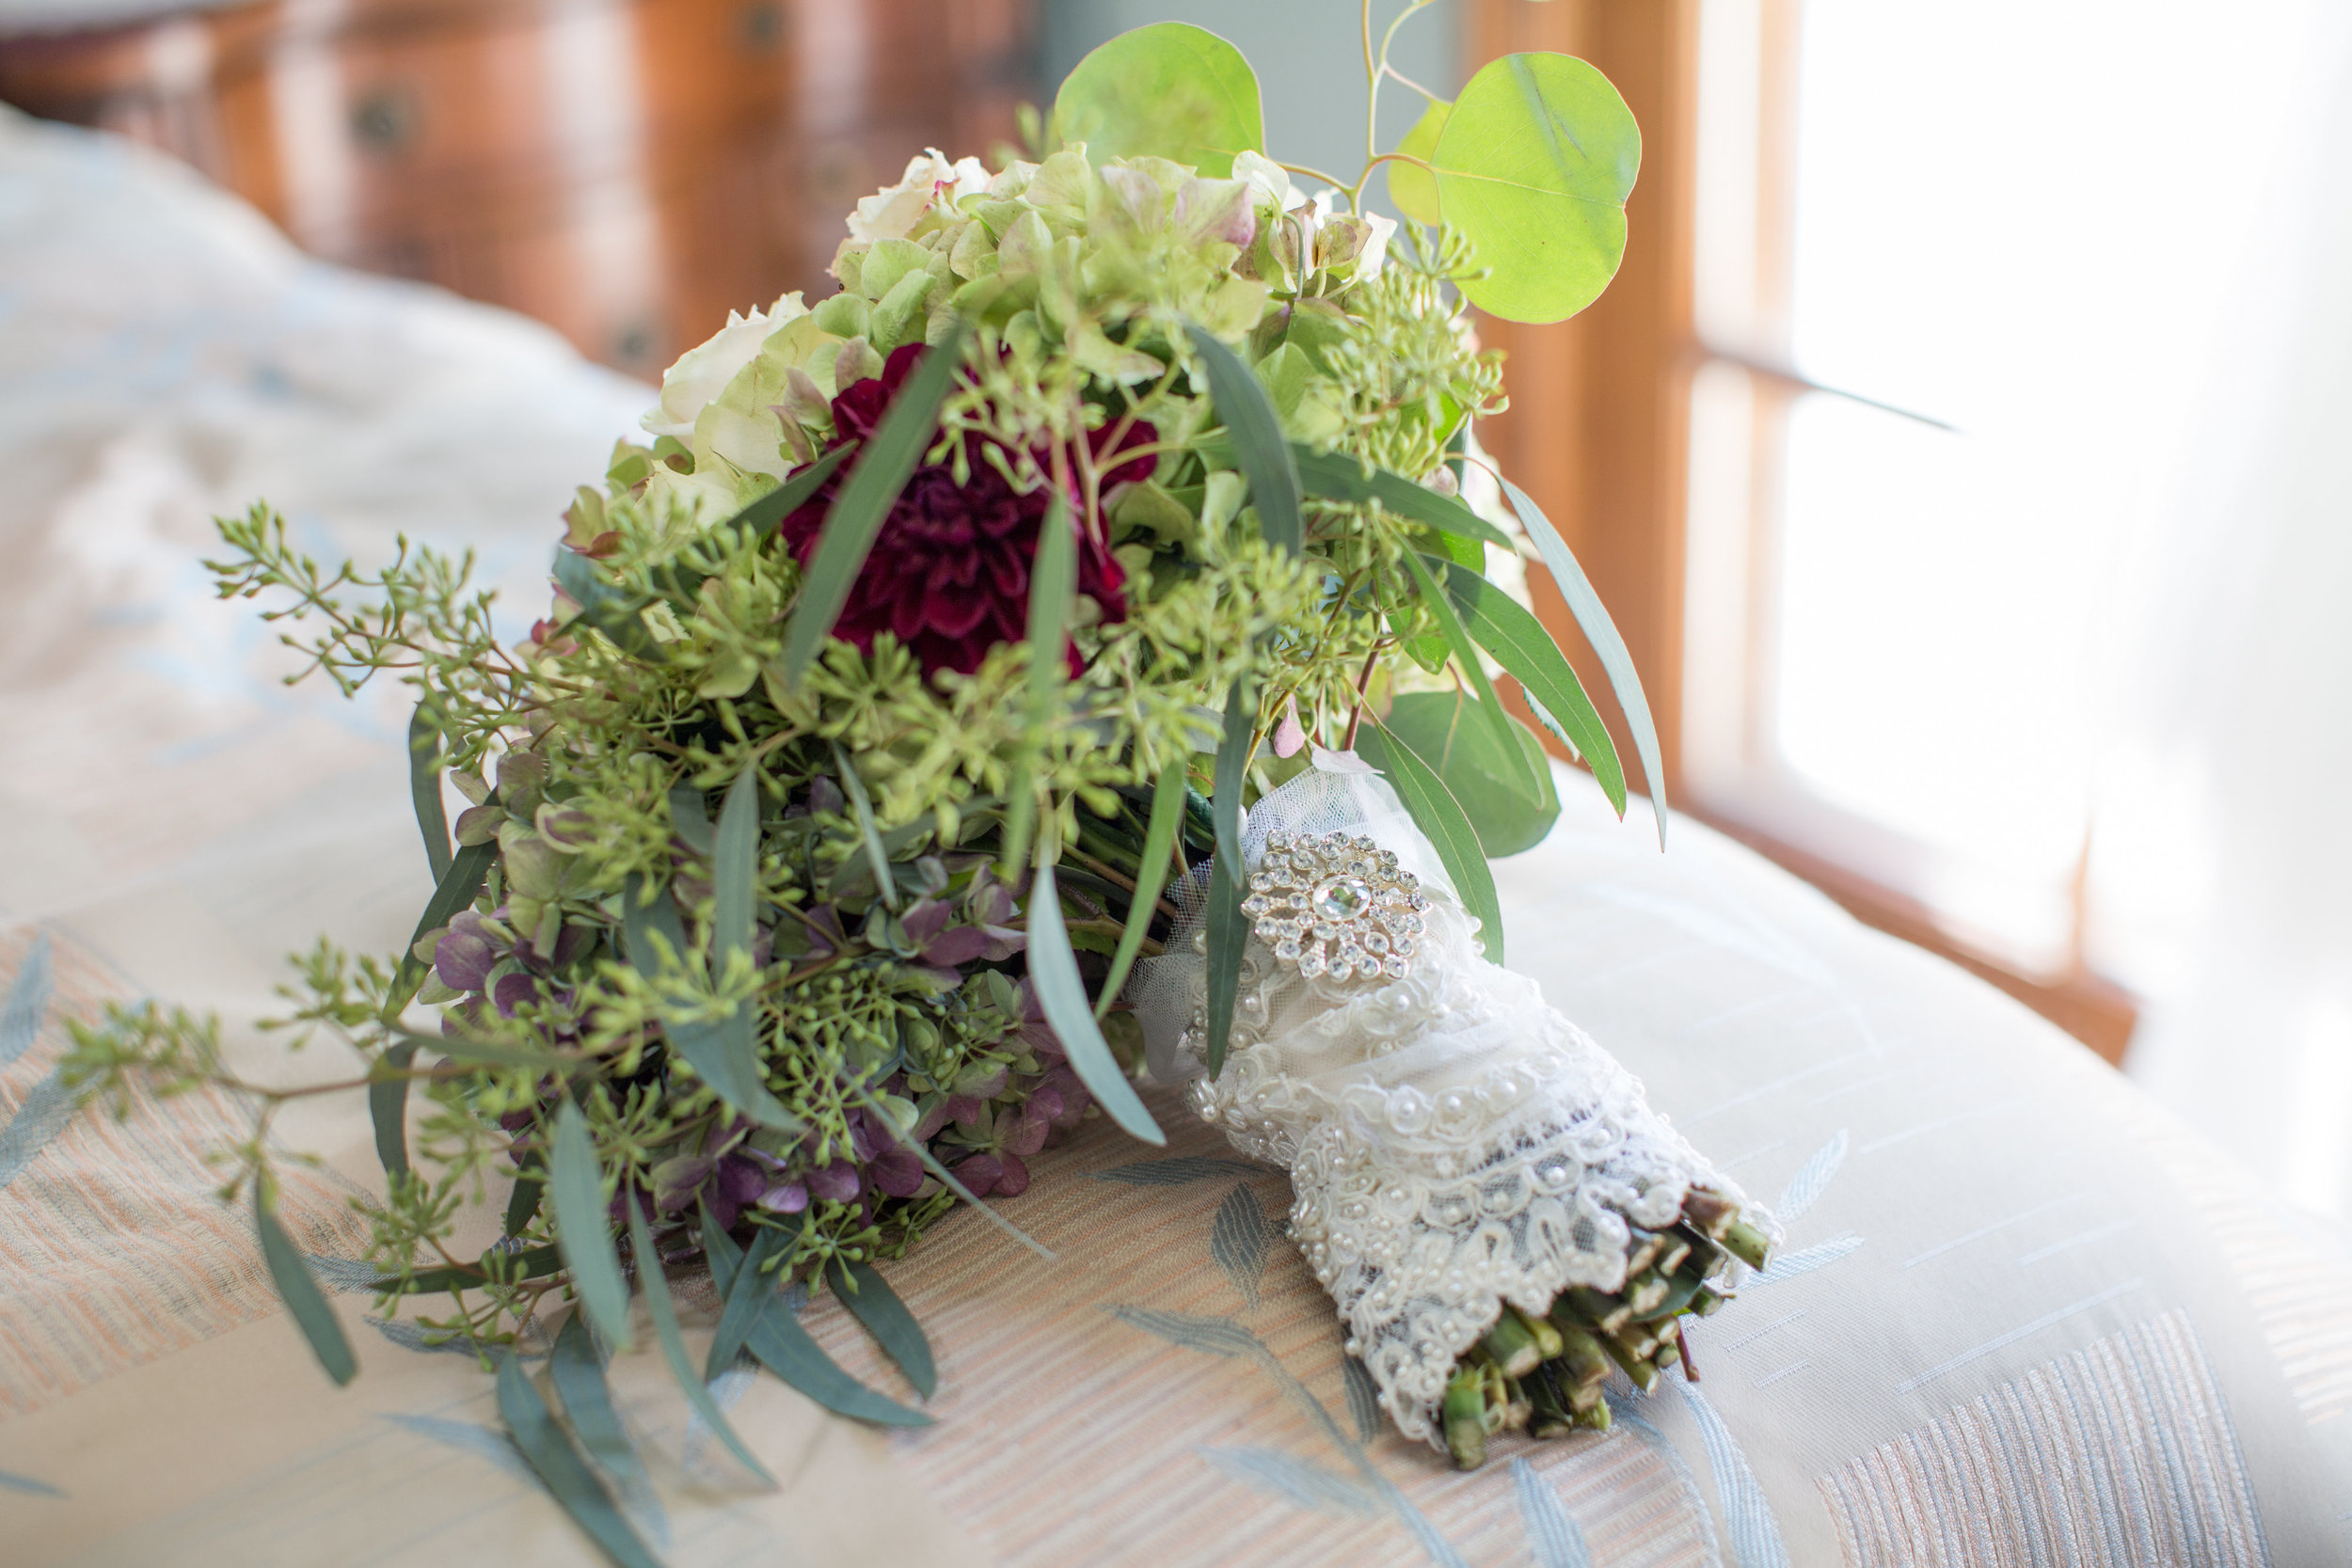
<point>1858,446</point>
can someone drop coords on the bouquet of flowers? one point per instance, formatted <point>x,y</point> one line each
<point>1070,641</point>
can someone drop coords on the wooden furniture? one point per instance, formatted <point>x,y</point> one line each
<point>626,170</point>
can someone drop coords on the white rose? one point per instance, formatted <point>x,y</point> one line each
<point>702,371</point>
<point>893,213</point>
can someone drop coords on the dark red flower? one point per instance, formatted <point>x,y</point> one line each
<point>949,572</point>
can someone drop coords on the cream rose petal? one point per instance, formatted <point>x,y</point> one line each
<point>702,371</point>
<point>891,214</point>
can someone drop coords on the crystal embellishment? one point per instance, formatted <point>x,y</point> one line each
<point>1337,906</point>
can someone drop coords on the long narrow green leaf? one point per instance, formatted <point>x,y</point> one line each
<point>424,789</point>
<point>1437,812</point>
<point>1520,644</point>
<point>743,1295</point>
<point>301,1294</point>
<point>779,1343</point>
<point>1159,843</point>
<point>873,1302</point>
<point>725,1055</point>
<point>388,1089</point>
<point>1052,580</point>
<point>784,1347</point>
<point>735,871</point>
<point>1256,431</point>
<point>690,818</point>
<point>566,1474</point>
<point>388,1106</point>
<point>862,806</point>
<point>1465,656</point>
<point>674,1346</point>
<point>788,498</point>
<point>1054,973</point>
<point>864,501</point>
<point>1592,618</point>
<point>1227,931</point>
<point>522,1204</point>
<point>583,1226</point>
<point>578,1367</point>
<point>1334,476</point>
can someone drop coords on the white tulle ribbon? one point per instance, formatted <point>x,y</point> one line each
<point>1454,1142</point>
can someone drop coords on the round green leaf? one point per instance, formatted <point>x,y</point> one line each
<point>1411,189</point>
<point>1170,90</point>
<point>1442,728</point>
<point>1533,165</point>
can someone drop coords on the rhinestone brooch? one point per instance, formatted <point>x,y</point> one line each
<point>1337,906</point>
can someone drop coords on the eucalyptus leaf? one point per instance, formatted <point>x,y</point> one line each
<point>870,1300</point>
<point>1255,430</point>
<point>1592,618</point>
<point>522,1204</point>
<point>1052,580</point>
<point>752,1282</point>
<point>866,498</point>
<point>778,1342</point>
<point>1443,731</point>
<point>1159,844</point>
<point>583,1226</point>
<point>1534,167</point>
<point>301,1294</point>
<point>388,1086</point>
<point>578,1369</point>
<point>1335,475</point>
<point>877,854</point>
<point>789,497</point>
<point>735,871</point>
<point>1520,644</point>
<point>725,1055</point>
<point>665,1328</point>
<point>1529,780</point>
<point>1436,813</point>
<point>1053,973</point>
<point>1226,930</point>
<point>1412,189</point>
<point>948,1178</point>
<point>560,1469</point>
<point>1169,90</point>
<point>424,790</point>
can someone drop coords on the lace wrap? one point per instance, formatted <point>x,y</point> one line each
<point>1454,1142</point>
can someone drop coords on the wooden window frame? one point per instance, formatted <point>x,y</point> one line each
<point>1600,431</point>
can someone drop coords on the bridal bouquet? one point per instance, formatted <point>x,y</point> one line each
<point>1071,641</point>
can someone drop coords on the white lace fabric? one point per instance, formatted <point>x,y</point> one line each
<point>1454,1142</point>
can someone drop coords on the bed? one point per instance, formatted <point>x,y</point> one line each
<point>2021,1316</point>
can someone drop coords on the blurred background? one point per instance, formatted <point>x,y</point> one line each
<point>1965,449</point>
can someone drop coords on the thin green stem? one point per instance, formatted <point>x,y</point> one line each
<point>1400,76</point>
<point>1356,197</point>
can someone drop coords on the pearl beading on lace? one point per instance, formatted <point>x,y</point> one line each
<point>1454,1142</point>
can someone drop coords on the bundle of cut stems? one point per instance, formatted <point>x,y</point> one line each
<point>1546,1375</point>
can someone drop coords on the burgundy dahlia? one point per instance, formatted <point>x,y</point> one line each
<point>948,575</point>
